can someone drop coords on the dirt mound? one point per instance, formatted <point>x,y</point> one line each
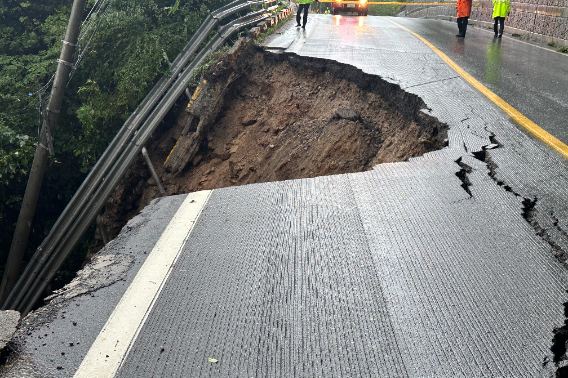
<point>262,117</point>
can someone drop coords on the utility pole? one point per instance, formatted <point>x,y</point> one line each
<point>44,149</point>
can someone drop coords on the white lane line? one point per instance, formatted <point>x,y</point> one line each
<point>120,331</point>
<point>301,42</point>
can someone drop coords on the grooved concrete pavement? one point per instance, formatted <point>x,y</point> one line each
<point>254,290</point>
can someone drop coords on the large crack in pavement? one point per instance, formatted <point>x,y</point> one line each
<point>463,175</point>
<point>529,212</point>
<point>529,209</point>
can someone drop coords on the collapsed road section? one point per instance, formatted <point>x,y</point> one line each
<point>258,116</point>
<point>292,117</point>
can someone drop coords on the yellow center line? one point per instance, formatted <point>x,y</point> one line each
<point>532,127</point>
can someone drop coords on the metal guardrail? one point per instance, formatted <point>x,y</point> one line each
<point>119,155</point>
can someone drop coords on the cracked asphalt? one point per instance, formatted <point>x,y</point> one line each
<point>450,264</point>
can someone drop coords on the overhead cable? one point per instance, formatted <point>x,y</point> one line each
<point>90,21</point>
<point>84,50</point>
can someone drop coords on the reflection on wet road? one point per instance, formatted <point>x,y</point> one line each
<point>531,78</point>
<point>350,26</point>
<point>493,62</point>
<point>458,46</point>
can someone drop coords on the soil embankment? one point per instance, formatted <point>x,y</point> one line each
<point>262,117</point>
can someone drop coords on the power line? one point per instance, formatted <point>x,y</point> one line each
<point>106,4</point>
<point>84,30</point>
<point>92,20</point>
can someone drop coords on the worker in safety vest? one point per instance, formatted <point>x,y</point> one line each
<point>501,10</point>
<point>464,11</point>
<point>305,5</point>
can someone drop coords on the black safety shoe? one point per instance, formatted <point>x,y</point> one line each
<point>298,25</point>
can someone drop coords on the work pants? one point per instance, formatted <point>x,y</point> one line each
<point>501,21</point>
<point>305,7</point>
<point>462,25</point>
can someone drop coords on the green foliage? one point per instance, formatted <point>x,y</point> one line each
<point>21,24</point>
<point>174,8</point>
<point>207,62</point>
<point>14,151</point>
<point>22,73</point>
<point>563,49</point>
<point>384,9</point>
<point>134,45</point>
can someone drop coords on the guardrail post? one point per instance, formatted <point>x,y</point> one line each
<point>153,171</point>
<point>102,229</point>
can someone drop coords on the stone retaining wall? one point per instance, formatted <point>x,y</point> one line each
<point>541,20</point>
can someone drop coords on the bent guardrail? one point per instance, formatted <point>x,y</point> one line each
<point>121,152</point>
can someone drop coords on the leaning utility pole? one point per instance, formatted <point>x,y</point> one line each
<point>44,148</point>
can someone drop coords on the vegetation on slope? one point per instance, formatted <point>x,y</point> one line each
<point>134,45</point>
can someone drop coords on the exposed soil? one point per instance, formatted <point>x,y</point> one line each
<point>264,117</point>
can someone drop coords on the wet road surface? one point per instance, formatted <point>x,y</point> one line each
<point>530,77</point>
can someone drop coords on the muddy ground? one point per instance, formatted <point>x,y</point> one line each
<point>264,117</point>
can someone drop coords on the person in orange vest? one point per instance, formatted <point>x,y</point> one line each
<point>501,10</point>
<point>464,11</point>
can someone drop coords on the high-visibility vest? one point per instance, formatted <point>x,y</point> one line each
<point>463,8</point>
<point>501,8</point>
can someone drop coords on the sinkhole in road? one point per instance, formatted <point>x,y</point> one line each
<point>259,116</point>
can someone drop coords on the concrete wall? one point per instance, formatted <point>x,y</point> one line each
<point>541,20</point>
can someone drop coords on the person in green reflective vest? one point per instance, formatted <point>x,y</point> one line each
<point>501,10</point>
<point>305,5</point>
